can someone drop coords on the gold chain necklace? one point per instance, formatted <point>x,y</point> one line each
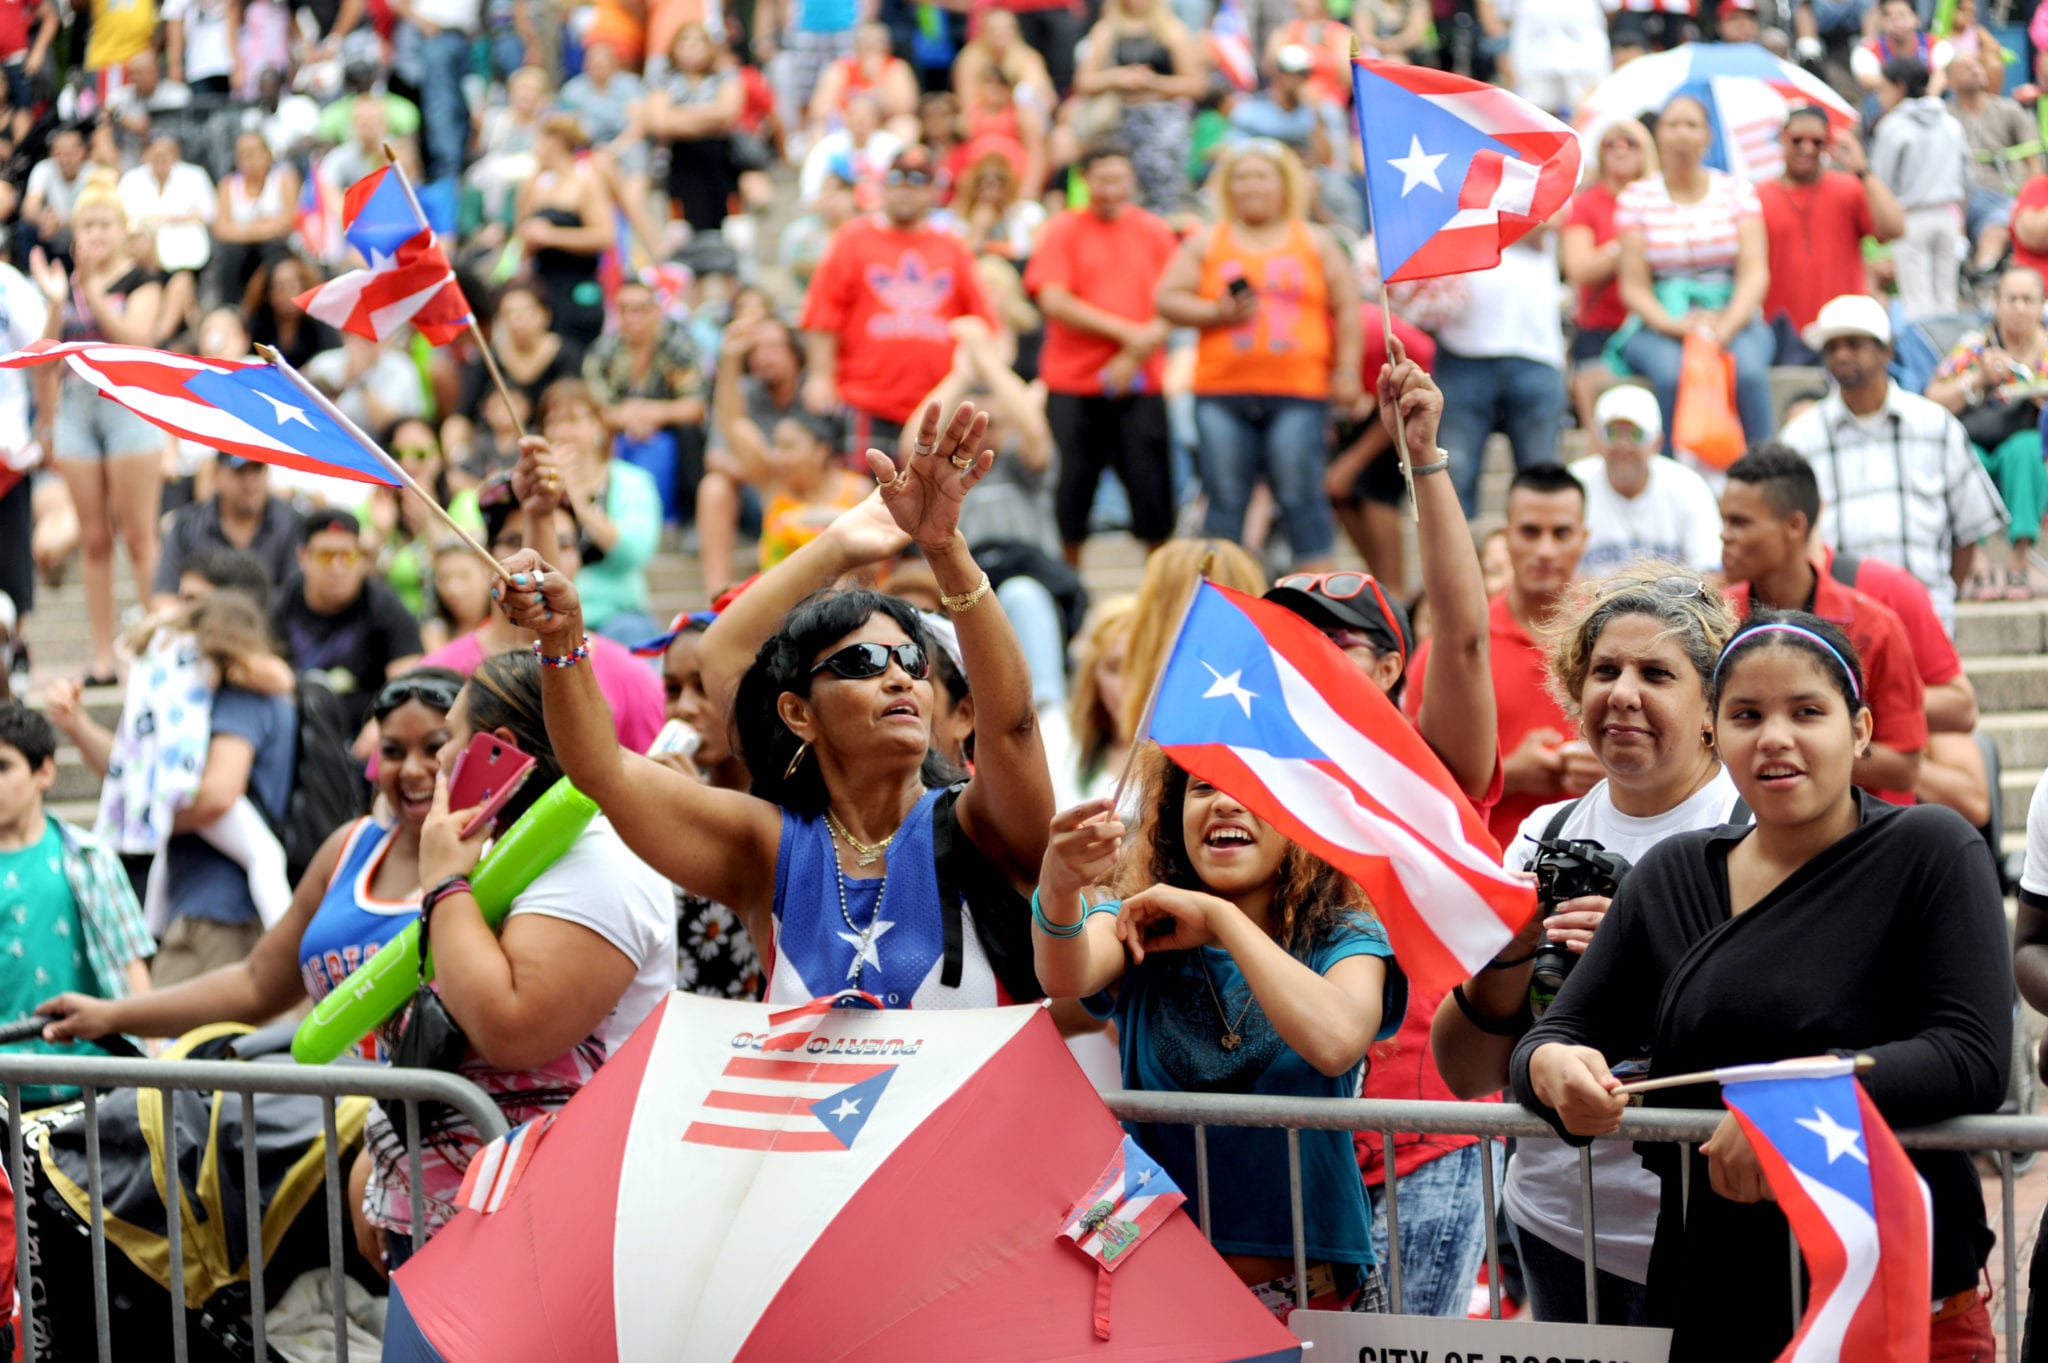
<point>1233,1032</point>
<point>864,854</point>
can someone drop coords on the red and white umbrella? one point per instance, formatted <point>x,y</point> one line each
<point>759,1186</point>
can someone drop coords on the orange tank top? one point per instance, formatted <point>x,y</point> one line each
<point>1284,350</point>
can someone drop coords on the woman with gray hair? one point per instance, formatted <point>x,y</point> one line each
<point>1630,658</point>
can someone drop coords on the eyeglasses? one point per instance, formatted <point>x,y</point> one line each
<point>335,558</point>
<point>857,662</point>
<point>917,179</point>
<point>1674,587</point>
<point>1343,586</point>
<point>436,693</point>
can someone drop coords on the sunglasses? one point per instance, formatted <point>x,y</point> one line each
<point>436,693</point>
<point>333,558</point>
<point>857,662</point>
<point>1675,587</point>
<point>917,179</point>
<point>417,454</point>
<point>1343,586</point>
<point>1622,430</point>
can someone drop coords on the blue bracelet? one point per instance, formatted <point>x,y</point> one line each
<point>1072,929</point>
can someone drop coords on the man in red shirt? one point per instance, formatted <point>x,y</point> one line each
<point>1768,510</point>
<point>874,319</point>
<point>1546,524</point>
<point>1815,220</point>
<point>2030,225</point>
<point>1093,274</point>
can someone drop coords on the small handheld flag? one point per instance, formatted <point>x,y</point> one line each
<point>408,280</point>
<point>1259,703</point>
<point>1861,1213</point>
<point>1132,1198</point>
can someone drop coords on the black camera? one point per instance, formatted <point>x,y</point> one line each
<point>1567,870</point>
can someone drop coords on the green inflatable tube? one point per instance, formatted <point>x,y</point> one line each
<point>382,984</point>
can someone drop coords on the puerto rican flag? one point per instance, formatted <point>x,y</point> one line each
<point>1860,1210</point>
<point>790,1099</point>
<point>1455,169</point>
<point>1132,1199</point>
<point>238,407</point>
<point>1257,702</point>
<point>409,280</point>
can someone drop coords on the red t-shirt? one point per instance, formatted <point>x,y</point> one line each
<point>1816,237</point>
<point>1934,653</point>
<point>1600,306</point>
<point>888,295</point>
<point>1891,678</point>
<point>1113,264</point>
<point>1522,704</point>
<point>1421,347</point>
<point>2033,194</point>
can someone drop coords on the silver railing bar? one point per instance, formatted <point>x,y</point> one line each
<point>252,1207</point>
<point>1589,1242</point>
<point>174,1221</point>
<point>415,1176</point>
<point>1294,1211</point>
<point>1393,1198</point>
<point>1492,1227</point>
<point>337,1282</point>
<point>1202,1176</point>
<point>95,1196</point>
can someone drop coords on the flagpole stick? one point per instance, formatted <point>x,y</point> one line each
<point>1862,1064</point>
<point>475,331</point>
<point>1123,779</point>
<point>321,400</point>
<point>1400,422</point>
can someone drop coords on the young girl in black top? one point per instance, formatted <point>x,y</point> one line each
<point>1836,923</point>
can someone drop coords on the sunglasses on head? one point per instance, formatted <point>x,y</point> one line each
<point>1343,586</point>
<point>436,693</point>
<point>917,179</point>
<point>857,662</point>
<point>1673,587</point>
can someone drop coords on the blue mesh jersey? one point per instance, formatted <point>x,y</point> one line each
<point>351,925</point>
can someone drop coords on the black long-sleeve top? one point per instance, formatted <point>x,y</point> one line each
<point>1891,943</point>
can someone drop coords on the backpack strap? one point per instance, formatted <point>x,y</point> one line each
<point>969,886</point>
<point>1559,819</point>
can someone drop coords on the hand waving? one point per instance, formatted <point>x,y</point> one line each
<point>925,492</point>
<point>50,276</point>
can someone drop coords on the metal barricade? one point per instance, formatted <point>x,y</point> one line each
<point>2001,1136</point>
<point>326,1082</point>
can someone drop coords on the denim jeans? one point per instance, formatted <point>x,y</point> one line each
<point>444,114</point>
<point>1656,357</point>
<point>1244,437</point>
<point>1522,398</point>
<point>1035,617</point>
<point>1443,1233</point>
<point>1557,1285</point>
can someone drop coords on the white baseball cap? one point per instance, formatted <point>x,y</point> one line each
<point>1631,403</point>
<point>1853,314</point>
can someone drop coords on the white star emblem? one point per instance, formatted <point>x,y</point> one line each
<point>864,943</point>
<point>1417,168</point>
<point>1231,686</point>
<point>848,1107</point>
<point>286,412</point>
<point>380,260</point>
<point>1841,1140</point>
<point>1144,1177</point>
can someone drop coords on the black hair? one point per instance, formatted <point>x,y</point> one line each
<point>824,428</point>
<point>504,693</point>
<point>29,731</point>
<point>397,692</point>
<point>1801,631</point>
<point>760,737</point>
<point>1909,74</point>
<point>1782,477</point>
<point>231,570</point>
<point>1545,479</point>
<point>1103,149</point>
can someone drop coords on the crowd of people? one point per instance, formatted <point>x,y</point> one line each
<point>1042,276</point>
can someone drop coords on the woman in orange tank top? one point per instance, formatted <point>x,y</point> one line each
<point>1276,302</point>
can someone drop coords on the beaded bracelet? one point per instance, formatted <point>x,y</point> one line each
<point>1067,929</point>
<point>570,659</point>
<point>452,885</point>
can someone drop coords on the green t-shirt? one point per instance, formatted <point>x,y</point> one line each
<point>44,943</point>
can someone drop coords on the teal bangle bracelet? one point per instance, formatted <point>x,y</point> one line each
<point>1050,929</point>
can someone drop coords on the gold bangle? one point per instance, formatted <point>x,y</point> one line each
<point>966,601</point>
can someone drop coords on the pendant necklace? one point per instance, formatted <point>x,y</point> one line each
<point>1233,1032</point>
<point>866,935</point>
<point>864,854</point>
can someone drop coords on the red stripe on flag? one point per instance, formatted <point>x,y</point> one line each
<point>780,1106</point>
<point>802,1071</point>
<point>1482,180</point>
<point>747,1138</point>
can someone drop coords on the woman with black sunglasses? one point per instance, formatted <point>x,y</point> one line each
<point>361,888</point>
<point>857,848</point>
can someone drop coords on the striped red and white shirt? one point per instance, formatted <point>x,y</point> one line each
<point>1695,238</point>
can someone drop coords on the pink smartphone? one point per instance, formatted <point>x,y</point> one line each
<point>486,774</point>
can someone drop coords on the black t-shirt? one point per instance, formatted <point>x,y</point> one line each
<point>352,649</point>
<point>196,528</point>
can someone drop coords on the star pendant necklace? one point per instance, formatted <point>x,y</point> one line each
<point>865,942</point>
<point>1233,1032</point>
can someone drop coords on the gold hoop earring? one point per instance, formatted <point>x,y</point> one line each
<point>789,772</point>
<point>1706,738</point>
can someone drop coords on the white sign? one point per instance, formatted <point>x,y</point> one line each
<point>1346,1337</point>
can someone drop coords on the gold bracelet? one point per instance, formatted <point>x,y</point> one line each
<point>966,601</point>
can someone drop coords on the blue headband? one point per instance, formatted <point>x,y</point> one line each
<point>1803,633</point>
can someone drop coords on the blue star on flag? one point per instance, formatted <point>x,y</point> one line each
<point>844,1113</point>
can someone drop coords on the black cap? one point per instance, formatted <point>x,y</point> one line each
<point>1306,595</point>
<point>332,518</point>
<point>235,463</point>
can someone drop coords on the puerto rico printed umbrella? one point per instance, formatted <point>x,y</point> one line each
<point>741,1183</point>
<point>1746,90</point>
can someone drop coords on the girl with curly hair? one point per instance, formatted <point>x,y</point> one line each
<point>1235,962</point>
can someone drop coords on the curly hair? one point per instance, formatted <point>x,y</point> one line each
<point>760,737</point>
<point>1311,898</point>
<point>1700,623</point>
